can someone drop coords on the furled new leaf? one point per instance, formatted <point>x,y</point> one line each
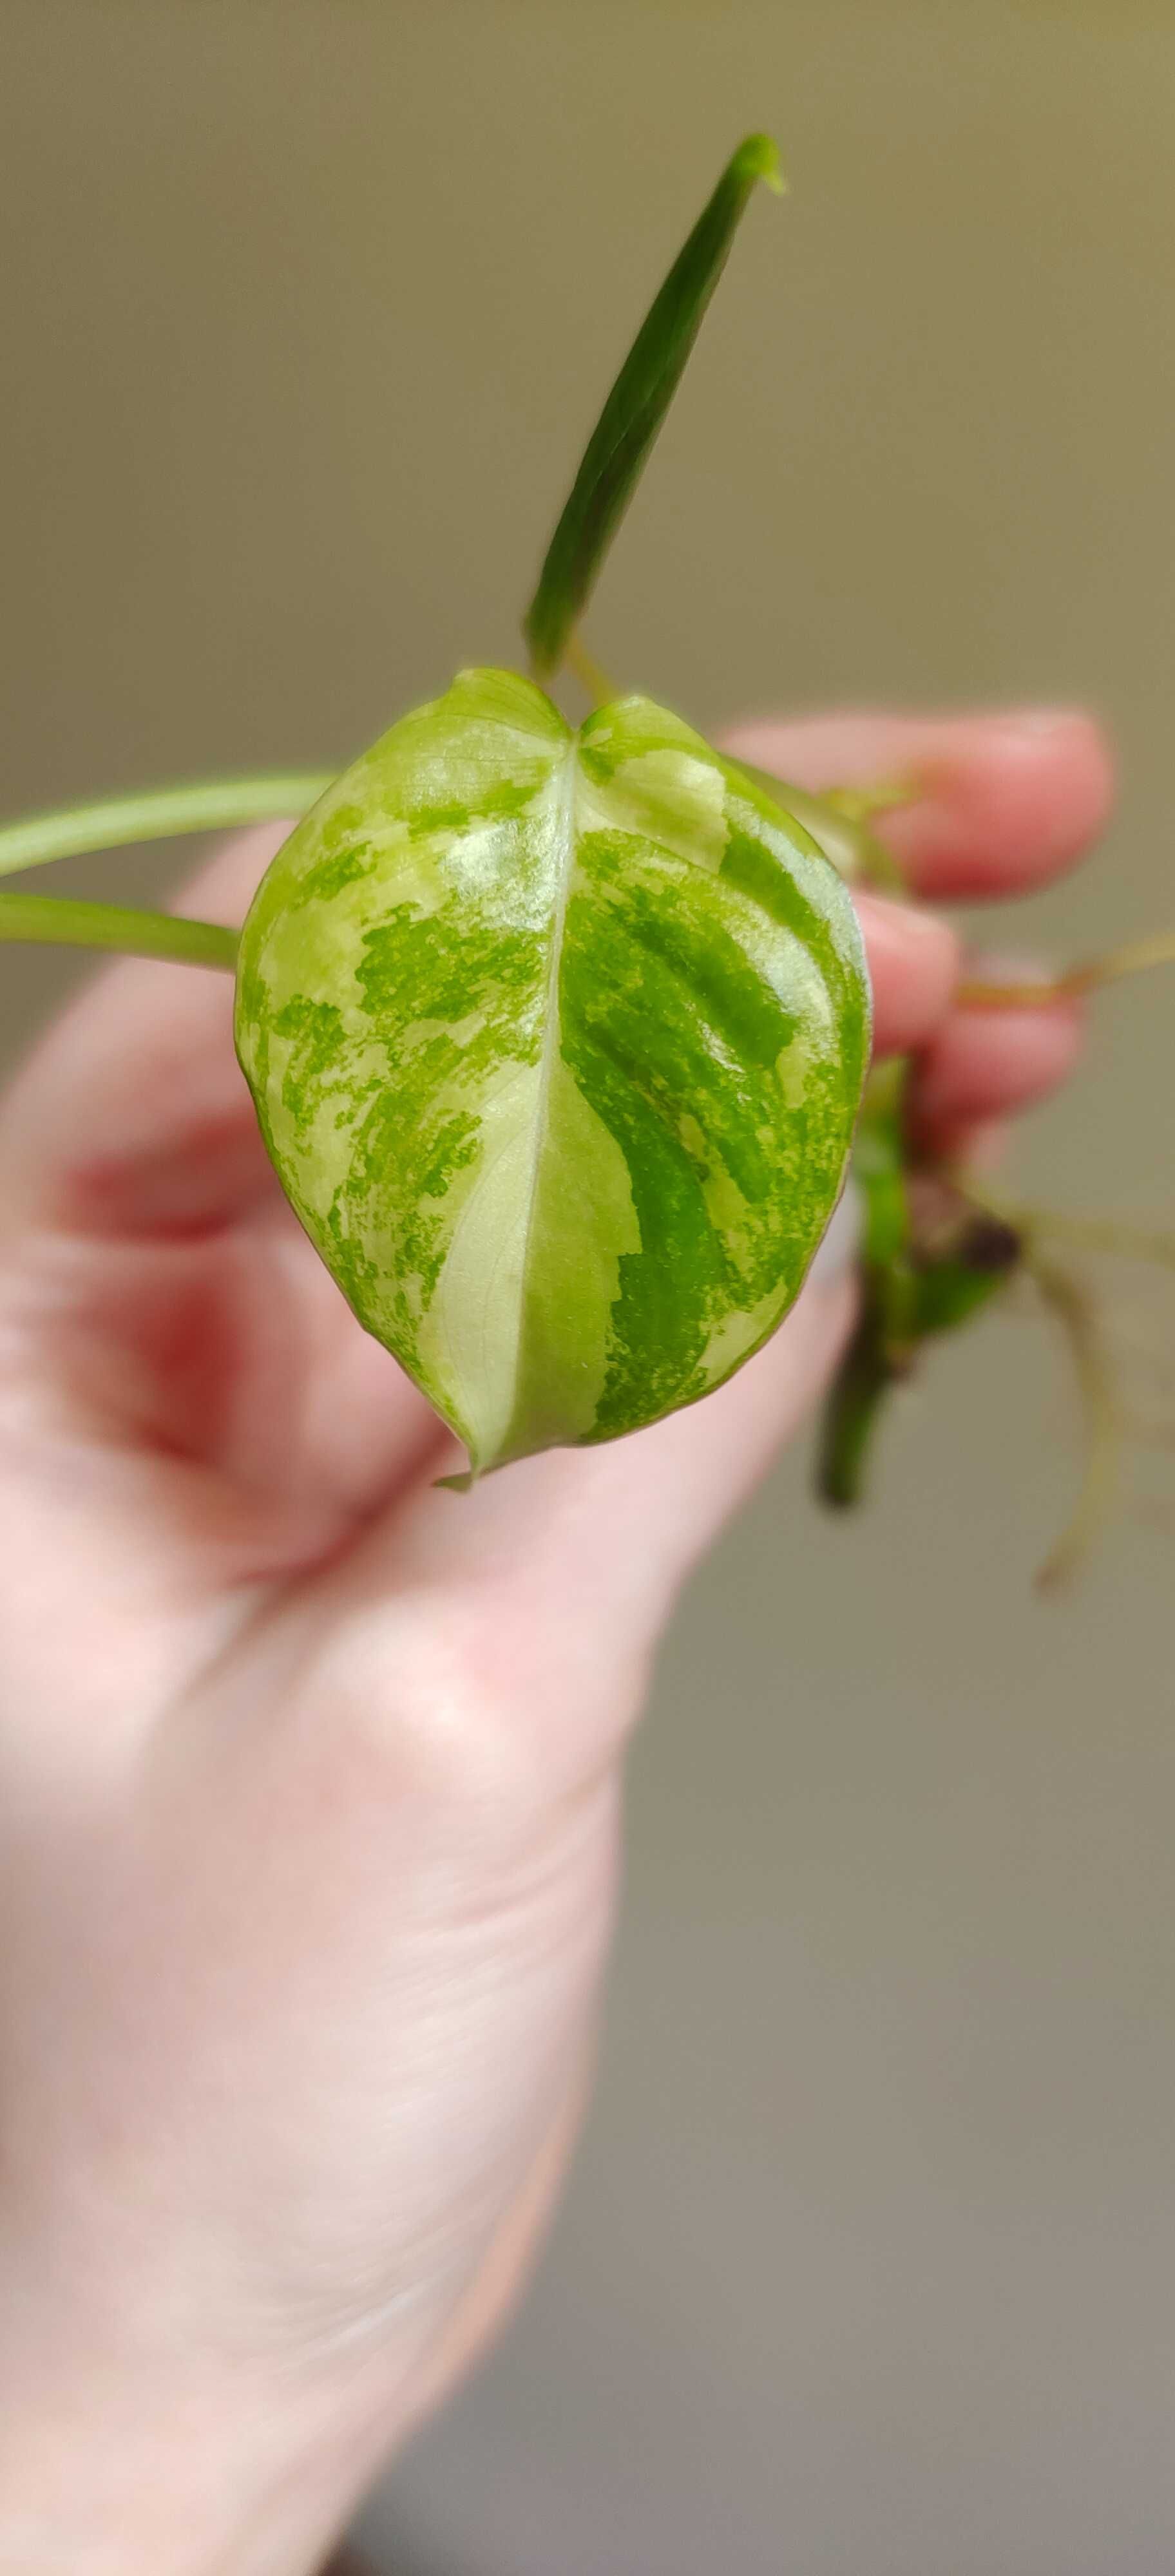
<point>557,1041</point>
<point>635,408</point>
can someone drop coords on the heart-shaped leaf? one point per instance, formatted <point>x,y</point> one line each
<point>557,1041</point>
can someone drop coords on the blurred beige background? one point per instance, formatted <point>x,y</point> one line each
<point>868,2268</point>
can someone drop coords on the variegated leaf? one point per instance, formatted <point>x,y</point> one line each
<point>557,1041</point>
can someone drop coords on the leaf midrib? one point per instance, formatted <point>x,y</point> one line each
<point>565,785</point>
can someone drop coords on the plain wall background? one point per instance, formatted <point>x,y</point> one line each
<point>868,2264</point>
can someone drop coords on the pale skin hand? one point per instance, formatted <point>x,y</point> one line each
<point>308,1772</point>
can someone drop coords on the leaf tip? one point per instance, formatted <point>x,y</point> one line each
<point>757,157</point>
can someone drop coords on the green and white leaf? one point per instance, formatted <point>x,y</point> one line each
<point>557,1041</point>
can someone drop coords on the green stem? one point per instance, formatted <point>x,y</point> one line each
<point>159,814</point>
<point>852,1406</point>
<point>589,673</point>
<point>1095,1500</point>
<point>60,921</point>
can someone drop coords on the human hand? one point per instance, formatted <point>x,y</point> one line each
<point>308,1771</point>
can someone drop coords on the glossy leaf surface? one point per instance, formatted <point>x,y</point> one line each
<point>557,1041</point>
<point>635,408</point>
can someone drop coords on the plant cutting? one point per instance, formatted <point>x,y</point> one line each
<point>558,1034</point>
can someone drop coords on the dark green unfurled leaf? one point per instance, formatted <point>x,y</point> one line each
<point>636,407</point>
<point>557,1041</point>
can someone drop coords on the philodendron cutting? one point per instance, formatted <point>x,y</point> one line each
<point>558,1036</point>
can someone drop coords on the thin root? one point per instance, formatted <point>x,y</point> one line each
<point>1103,1234</point>
<point>1123,1239</point>
<point>1099,1484</point>
<point>1134,959</point>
